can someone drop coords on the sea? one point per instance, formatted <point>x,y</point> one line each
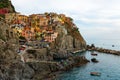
<point>113,44</point>
<point>108,65</point>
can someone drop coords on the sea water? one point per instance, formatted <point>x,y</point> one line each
<point>105,43</point>
<point>108,66</point>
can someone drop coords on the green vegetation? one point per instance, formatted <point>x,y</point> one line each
<point>4,3</point>
<point>71,19</point>
<point>76,29</point>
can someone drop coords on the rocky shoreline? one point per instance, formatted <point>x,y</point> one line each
<point>107,51</point>
<point>50,69</point>
<point>66,65</point>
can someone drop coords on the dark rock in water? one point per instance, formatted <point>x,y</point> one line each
<point>94,60</point>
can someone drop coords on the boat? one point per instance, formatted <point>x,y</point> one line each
<point>94,54</point>
<point>94,60</point>
<point>95,73</point>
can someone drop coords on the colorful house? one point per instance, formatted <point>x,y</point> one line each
<point>4,11</point>
<point>27,33</point>
<point>36,26</point>
<point>51,37</point>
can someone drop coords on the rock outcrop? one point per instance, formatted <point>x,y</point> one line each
<point>69,39</point>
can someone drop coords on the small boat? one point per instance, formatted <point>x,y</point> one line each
<point>94,54</point>
<point>95,73</point>
<point>94,60</point>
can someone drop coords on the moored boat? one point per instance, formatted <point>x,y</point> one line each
<point>94,54</point>
<point>95,73</point>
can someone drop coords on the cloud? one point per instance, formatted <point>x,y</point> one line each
<point>99,8</point>
<point>115,22</point>
<point>56,5</point>
<point>95,18</point>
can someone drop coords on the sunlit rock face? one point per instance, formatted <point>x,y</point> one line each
<point>69,38</point>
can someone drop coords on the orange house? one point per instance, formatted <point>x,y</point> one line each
<point>27,33</point>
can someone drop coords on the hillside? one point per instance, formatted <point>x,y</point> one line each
<point>30,45</point>
<point>36,65</point>
<point>56,29</point>
<point>6,7</point>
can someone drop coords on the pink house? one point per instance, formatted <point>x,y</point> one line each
<point>4,11</point>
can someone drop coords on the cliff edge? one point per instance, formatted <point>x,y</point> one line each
<point>69,39</point>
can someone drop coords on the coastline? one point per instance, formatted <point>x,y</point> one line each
<point>69,63</point>
<point>54,75</point>
<point>77,62</point>
<point>103,50</point>
<point>80,60</point>
<point>76,51</point>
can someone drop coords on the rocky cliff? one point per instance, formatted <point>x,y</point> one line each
<point>69,39</point>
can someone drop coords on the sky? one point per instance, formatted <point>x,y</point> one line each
<point>96,19</point>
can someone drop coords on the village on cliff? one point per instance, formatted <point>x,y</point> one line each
<point>36,30</point>
<point>34,47</point>
<point>36,26</point>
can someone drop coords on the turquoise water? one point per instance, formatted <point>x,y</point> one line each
<point>108,66</point>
